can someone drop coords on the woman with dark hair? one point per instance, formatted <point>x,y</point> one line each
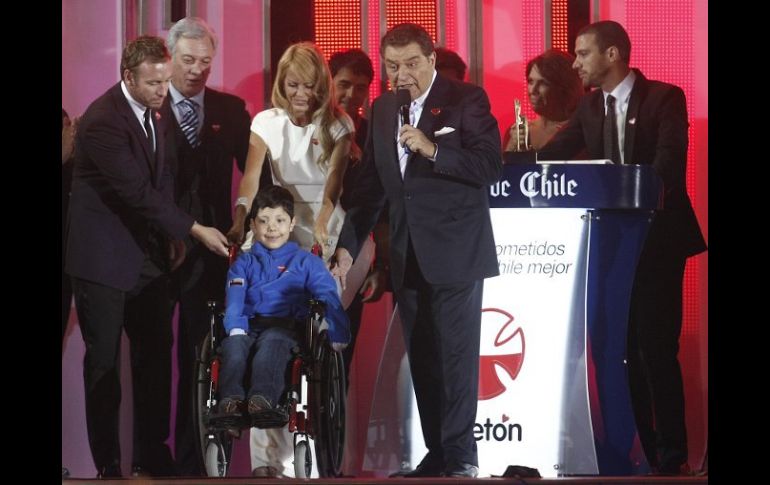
<point>554,90</point>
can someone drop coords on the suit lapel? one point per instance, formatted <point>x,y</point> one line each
<point>595,138</point>
<point>637,94</point>
<point>160,146</point>
<point>430,111</point>
<point>387,124</point>
<point>212,116</point>
<point>125,110</point>
<point>432,107</point>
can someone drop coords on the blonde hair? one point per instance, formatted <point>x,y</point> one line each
<point>307,62</point>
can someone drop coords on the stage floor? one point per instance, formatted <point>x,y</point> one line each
<point>640,480</point>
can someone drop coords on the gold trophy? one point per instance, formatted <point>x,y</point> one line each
<point>520,129</point>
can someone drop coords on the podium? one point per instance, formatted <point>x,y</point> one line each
<point>553,391</point>
<point>568,238</point>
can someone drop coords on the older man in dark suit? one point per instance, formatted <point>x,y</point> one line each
<point>635,120</point>
<point>122,220</point>
<point>208,130</point>
<point>434,172</point>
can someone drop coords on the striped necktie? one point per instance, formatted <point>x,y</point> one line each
<point>189,123</point>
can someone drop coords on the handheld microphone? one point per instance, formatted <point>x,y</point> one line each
<point>404,99</point>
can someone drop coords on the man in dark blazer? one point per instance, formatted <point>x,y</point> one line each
<point>201,160</point>
<point>650,128</point>
<point>122,220</point>
<point>434,172</point>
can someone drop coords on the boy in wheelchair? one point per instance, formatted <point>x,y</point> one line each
<point>267,293</point>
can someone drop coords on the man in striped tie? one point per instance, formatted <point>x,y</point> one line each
<point>208,130</point>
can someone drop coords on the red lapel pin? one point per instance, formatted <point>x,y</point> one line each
<point>435,111</point>
<point>215,128</point>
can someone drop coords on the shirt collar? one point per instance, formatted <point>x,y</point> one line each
<point>417,103</point>
<point>622,91</point>
<point>177,97</point>
<point>137,107</point>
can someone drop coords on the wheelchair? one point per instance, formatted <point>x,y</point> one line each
<point>313,405</point>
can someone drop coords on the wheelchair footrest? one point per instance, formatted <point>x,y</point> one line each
<point>270,418</point>
<point>222,422</point>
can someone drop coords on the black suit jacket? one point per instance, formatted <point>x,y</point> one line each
<point>121,192</point>
<point>203,176</point>
<point>441,206</point>
<point>656,134</point>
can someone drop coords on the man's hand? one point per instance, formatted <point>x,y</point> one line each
<point>341,263</point>
<point>374,284</point>
<point>416,141</point>
<point>355,153</point>
<point>235,235</point>
<point>214,240</point>
<point>237,232</point>
<point>176,253</point>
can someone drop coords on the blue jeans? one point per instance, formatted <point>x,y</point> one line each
<point>268,367</point>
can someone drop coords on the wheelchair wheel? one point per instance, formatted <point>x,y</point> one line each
<point>216,458</point>
<point>303,460</point>
<point>216,445</point>
<point>329,409</point>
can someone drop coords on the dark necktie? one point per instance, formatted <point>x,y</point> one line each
<point>148,128</point>
<point>611,149</point>
<point>189,123</point>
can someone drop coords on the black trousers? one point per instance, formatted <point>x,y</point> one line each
<point>200,278</point>
<point>354,312</point>
<point>103,312</point>
<point>655,377</point>
<point>442,327</point>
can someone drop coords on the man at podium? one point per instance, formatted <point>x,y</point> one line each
<point>634,120</point>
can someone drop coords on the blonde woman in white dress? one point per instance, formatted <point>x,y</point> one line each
<point>306,138</point>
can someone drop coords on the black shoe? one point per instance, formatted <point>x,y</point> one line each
<point>140,472</point>
<point>154,471</point>
<point>428,467</point>
<point>110,471</point>
<point>459,469</point>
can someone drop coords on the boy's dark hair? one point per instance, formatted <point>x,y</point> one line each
<point>354,59</point>
<point>272,196</point>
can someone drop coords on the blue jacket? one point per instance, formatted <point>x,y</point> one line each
<point>278,283</point>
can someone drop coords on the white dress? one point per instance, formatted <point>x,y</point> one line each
<point>293,152</point>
